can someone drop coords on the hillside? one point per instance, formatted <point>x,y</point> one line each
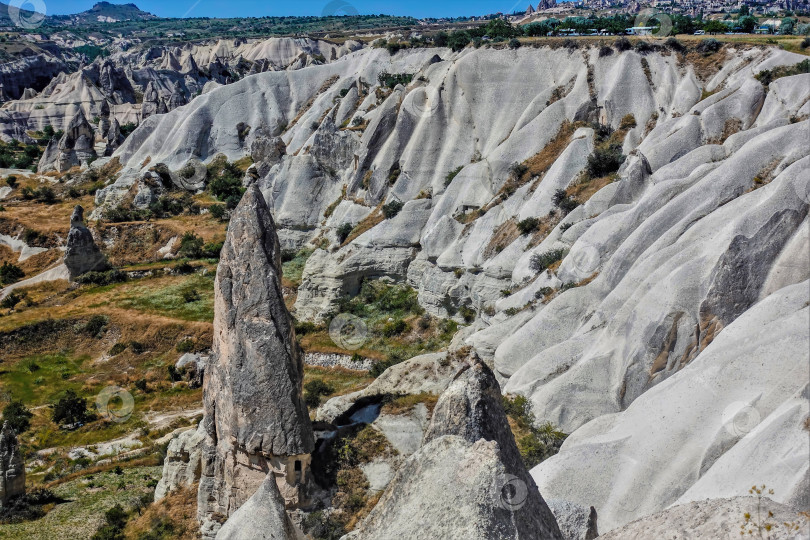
<point>602,247</point>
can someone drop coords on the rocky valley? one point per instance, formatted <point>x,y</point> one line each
<point>370,287</point>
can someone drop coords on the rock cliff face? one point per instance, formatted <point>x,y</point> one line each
<point>692,257</point>
<point>182,465</point>
<point>12,467</point>
<point>81,253</point>
<point>140,82</point>
<point>467,480</point>
<point>76,147</point>
<point>255,420</point>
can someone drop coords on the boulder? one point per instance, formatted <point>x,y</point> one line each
<point>81,253</point>
<point>262,517</point>
<point>192,368</point>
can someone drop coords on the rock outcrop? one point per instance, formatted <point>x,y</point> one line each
<point>182,465</point>
<point>75,148</point>
<point>719,518</point>
<point>467,480</point>
<point>256,422</point>
<point>262,517</point>
<point>191,368</point>
<point>12,467</point>
<point>82,255</point>
<point>576,522</point>
<point>702,224</point>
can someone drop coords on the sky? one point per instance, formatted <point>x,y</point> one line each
<point>258,8</point>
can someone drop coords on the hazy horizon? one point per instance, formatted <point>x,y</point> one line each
<point>255,8</point>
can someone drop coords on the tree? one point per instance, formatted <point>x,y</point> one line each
<point>18,416</point>
<point>191,246</point>
<point>9,273</point>
<point>499,28</point>
<point>747,24</point>
<point>458,40</point>
<point>70,409</point>
<point>715,27</point>
<point>744,10</point>
<point>786,28</point>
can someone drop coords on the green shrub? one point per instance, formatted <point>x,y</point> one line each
<point>96,325</point>
<point>514,43</point>
<point>708,46</point>
<point>528,225</point>
<point>174,375</point>
<point>541,261</point>
<point>137,347</point>
<point>343,232</point>
<point>9,273</point>
<point>390,80</point>
<point>18,416</point>
<point>563,201</point>
<point>217,211</point>
<point>623,44</point>
<point>605,160</point>
<point>767,76</point>
<point>106,277</point>
<point>467,313</point>
<point>391,209</point>
<point>191,246</point>
<point>12,299</point>
<point>11,181</point>
<point>185,345</point>
<point>117,349</point>
<point>34,238</point>
<point>226,184</point>
<point>393,328</point>
<point>313,391</point>
<point>46,195</point>
<point>190,295</point>
<point>305,327</point>
<point>536,444</point>
<point>140,384</point>
<point>452,174</point>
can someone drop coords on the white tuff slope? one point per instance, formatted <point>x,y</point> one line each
<point>703,236</point>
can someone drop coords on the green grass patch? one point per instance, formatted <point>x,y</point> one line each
<point>38,379</point>
<point>293,267</point>
<point>176,300</point>
<point>86,499</point>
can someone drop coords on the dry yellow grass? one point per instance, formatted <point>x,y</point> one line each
<point>178,508</point>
